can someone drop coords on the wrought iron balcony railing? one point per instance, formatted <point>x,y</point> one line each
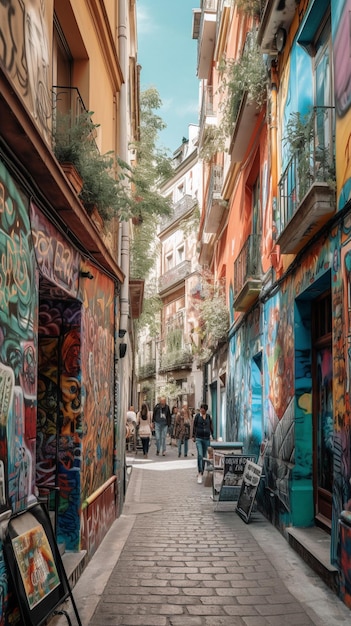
<point>207,109</point>
<point>147,371</point>
<point>67,100</point>
<point>174,275</point>
<point>177,359</point>
<point>215,205</point>
<point>180,208</point>
<point>311,163</point>
<point>247,266</point>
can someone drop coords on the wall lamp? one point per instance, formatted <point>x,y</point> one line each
<point>280,39</point>
<point>85,274</point>
<point>122,350</point>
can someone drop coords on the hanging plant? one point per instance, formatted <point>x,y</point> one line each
<point>213,318</point>
<point>251,7</point>
<point>245,75</point>
<point>103,175</point>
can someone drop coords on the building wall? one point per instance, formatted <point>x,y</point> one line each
<point>60,434</point>
<point>274,401</point>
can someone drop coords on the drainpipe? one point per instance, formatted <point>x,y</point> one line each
<point>124,154</point>
<point>275,254</point>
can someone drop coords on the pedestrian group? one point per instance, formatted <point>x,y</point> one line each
<point>177,424</point>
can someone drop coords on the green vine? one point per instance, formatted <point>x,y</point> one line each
<point>213,318</point>
<point>245,75</point>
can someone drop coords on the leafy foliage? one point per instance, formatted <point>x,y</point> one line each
<point>152,165</point>
<point>150,316</point>
<point>116,188</point>
<point>245,75</point>
<point>304,139</point>
<point>170,390</point>
<point>213,318</point>
<point>251,7</point>
<point>103,175</point>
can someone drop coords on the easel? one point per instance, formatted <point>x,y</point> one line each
<point>34,562</point>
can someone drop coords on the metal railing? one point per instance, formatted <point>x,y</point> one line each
<point>209,5</point>
<point>311,163</point>
<point>247,265</point>
<point>215,186</point>
<point>177,359</point>
<point>174,275</point>
<point>206,105</point>
<point>147,370</point>
<point>180,208</point>
<point>68,100</point>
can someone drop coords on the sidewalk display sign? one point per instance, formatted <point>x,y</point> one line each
<point>227,476</point>
<point>35,565</point>
<point>249,485</point>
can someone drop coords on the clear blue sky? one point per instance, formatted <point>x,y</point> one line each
<point>168,54</point>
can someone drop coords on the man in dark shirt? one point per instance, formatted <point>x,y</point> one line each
<point>202,431</point>
<point>161,419</point>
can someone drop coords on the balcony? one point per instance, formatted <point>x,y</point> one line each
<point>275,14</point>
<point>307,187</point>
<point>205,249</point>
<point>244,127</point>
<point>204,30</point>
<point>147,371</point>
<point>215,206</point>
<point>174,276</point>
<point>247,274</point>
<point>176,360</point>
<point>180,209</point>
<point>67,100</point>
<point>208,117</point>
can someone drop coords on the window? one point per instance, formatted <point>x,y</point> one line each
<point>180,254</point>
<point>169,261</point>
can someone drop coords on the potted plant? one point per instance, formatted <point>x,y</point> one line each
<point>245,76</point>
<point>69,138</point>
<point>102,174</point>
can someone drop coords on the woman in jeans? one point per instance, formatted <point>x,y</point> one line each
<point>182,428</point>
<point>202,431</point>
<point>144,425</point>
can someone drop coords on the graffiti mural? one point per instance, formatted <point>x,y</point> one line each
<point>18,360</point>
<point>59,423</point>
<point>245,423</point>
<point>342,92</point>
<point>98,376</point>
<point>57,260</point>
<point>25,55</point>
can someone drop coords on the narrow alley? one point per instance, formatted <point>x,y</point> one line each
<point>172,559</point>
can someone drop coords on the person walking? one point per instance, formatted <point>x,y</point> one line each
<point>161,418</point>
<point>174,413</point>
<point>182,426</point>
<point>145,426</point>
<point>202,431</point>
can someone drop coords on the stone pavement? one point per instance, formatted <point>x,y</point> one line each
<point>171,559</point>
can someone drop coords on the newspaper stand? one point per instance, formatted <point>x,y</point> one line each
<point>227,476</point>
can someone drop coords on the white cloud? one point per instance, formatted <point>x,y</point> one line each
<point>145,21</point>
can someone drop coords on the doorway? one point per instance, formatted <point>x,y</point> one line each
<point>322,408</point>
<point>59,408</point>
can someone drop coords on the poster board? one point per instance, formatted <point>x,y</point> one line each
<point>249,485</point>
<point>35,565</point>
<point>227,477</point>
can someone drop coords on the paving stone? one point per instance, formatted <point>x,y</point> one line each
<point>185,564</point>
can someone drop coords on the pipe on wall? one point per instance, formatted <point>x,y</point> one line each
<point>124,154</point>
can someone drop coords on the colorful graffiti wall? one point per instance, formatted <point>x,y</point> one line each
<point>25,54</point>
<point>18,355</point>
<point>75,428</point>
